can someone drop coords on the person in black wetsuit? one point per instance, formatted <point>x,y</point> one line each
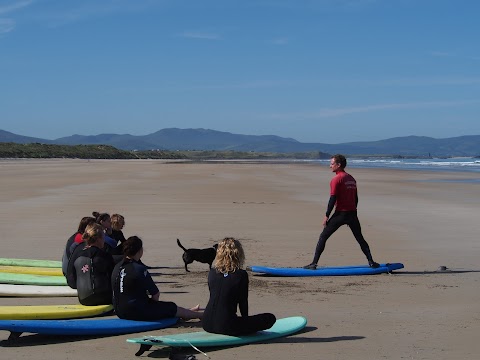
<point>118,222</point>
<point>135,295</point>
<point>90,268</point>
<point>106,222</point>
<point>67,253</point>
<point>228,285</point>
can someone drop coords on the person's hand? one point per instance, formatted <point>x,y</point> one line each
<point>325,221</point>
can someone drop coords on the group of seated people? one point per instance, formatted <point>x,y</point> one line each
<point>106,268</point>
<point>113,236</point>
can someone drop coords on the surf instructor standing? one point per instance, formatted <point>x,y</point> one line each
<point>344,197</point>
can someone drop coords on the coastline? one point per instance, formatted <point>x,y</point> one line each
<point>275,209</point>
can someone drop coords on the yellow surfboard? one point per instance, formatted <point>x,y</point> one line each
<point>31,270</point>
<point>43,312</point>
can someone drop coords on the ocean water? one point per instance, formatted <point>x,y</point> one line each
<point>451,164</point>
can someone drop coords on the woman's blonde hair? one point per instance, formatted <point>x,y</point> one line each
<point>92,233</point>
<point>117,221</point>
<point>230,256</point>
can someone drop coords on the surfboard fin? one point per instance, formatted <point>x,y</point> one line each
<point>14,335</point>
<point>143,348</point>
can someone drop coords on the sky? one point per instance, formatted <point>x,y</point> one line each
<point>326,71</point>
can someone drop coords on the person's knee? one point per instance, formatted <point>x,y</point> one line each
<point>269,319</point>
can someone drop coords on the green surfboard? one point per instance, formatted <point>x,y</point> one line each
<point>30,262</point>
<point>28,279</point>
<point>282,327</point>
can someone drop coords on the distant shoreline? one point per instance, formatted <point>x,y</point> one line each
<point>451,165</point>
<point>49,151</point>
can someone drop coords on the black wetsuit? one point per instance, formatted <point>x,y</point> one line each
<point>338,219</point>
<point>131,283</point>
<point>227,291</point>
<point>118,235</point>
<point>67,253</point>
<point>90,271</point>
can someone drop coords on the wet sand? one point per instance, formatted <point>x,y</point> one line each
<point>276,211</point>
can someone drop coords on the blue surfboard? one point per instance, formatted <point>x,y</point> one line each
<point>110,326</point>
<point>327,271</point>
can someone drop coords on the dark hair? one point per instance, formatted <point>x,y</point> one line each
<point>132,246</point>
<point>341,160</point>
<point>84,222</point>
<point>99,217</point>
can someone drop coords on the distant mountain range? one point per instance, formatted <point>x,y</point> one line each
<point>204,139</point>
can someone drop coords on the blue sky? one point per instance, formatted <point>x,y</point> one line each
<point>327,71</point>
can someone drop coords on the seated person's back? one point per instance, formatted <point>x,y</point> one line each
<point>67,253</point>
<point>135,295</point>
<point>90,269</point>
<point>228,284</point>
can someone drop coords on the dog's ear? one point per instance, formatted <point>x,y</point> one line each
<point>215,246</point>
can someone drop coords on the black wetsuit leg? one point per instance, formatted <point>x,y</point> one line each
<point>338,219</point>
<point>354,223</point>
<point>244,325</point>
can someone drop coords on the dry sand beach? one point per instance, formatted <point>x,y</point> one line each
<point>276,211</point>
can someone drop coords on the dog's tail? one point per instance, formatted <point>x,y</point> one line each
<point>180,244</point>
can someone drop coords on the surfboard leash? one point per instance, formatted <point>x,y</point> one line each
<point>200,351</point>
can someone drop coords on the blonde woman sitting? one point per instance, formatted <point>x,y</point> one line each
<point>228,284</point>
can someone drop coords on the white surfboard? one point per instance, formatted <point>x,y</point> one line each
<point>35,290</point>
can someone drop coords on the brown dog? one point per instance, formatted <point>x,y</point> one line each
<point>205,256</point>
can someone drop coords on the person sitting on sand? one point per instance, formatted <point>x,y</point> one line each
<point>106,222</point>
<point>76,238</point>
<point>118,222</point>
<point>90,269</point>
<point>135,295</point>
<point>228,284</point>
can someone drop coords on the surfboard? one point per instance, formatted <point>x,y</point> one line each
<point>327,271</point>
<point>43,312</point>
<point>282,327</point>
<point>31,270</point>
<point>12,290</point>
<point>110,326</point>
<point>31,262</point>
<point>28,279</point>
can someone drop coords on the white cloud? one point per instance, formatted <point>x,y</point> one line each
<point>441,54</point>
<point>452,55</point>
<point>336,112</point>
<point>199,35</point>
<point>75,11</point>
<point>13,6</point>
<point>418,81</point>
<point>6,25</point>
<point>281,41</point>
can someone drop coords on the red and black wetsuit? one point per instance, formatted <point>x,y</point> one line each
<point>344,196</point>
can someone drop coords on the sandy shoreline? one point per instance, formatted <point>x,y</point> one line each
<point>276,211</point>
